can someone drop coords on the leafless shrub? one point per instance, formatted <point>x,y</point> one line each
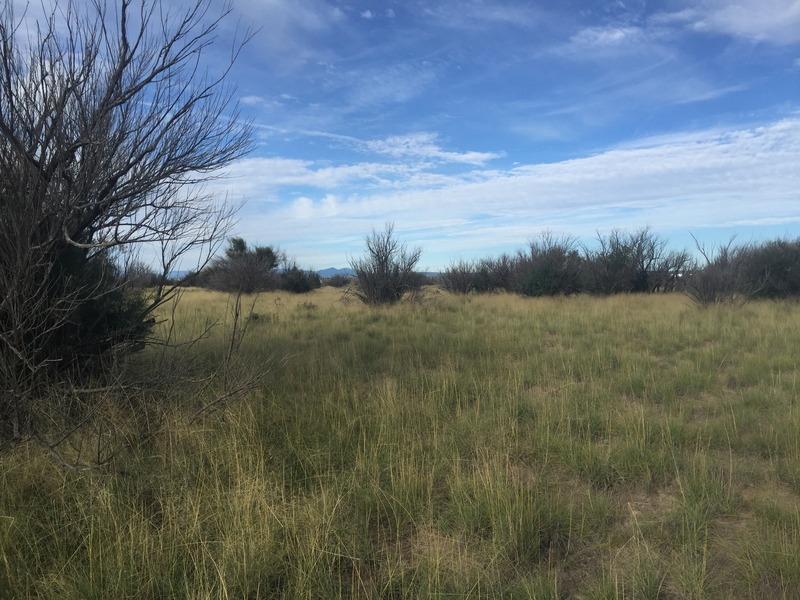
<point>722,279</point>
<point>632,262</point>
<point>459,277</point>
<point>386,273</point>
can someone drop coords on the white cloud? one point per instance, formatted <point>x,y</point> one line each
<point>769,21</point>
<point>252,100</point>
<point>630,44</point>
<point>367,14</point>
<point>305,208</point>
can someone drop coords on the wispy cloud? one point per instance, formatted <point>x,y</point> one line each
<point>768,21</point>
<point>593,38</point>
<point>267,179</point>
<point>420,147</point>
<point>472,15</point>
<point>373,87</point>
<point>423,145</point>
<point>628,69</point>
<point>292,29</point>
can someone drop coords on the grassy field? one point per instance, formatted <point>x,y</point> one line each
<point>459,447</point>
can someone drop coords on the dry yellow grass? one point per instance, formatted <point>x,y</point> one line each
<point>479,446</point>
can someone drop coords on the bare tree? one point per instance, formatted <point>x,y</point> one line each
<point>386,273</point>
<point>655,267</point>
<point>632,262</point>
<point>109,126</point>
<point>459,277</point>
<point>723,278</point>
<point>495,274</point>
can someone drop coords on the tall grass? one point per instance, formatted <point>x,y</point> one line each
<point>464,447</point>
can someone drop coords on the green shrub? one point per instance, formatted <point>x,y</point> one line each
<point>297,281</point>
<point>773,269</point>
<point>338,281</point>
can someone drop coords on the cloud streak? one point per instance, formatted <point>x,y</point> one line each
<point>768,21</point>
<point>424,146</point>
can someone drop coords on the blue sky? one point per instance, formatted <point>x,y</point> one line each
<point>475,125</point>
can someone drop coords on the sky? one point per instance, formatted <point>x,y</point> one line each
<point>475,125</point>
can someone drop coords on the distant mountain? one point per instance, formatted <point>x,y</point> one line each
<point>331,271</point>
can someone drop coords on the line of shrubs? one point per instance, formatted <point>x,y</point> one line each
<point>638,262</point>
<point>619,262</point>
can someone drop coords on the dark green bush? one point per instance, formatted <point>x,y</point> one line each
<point>338,281</point>
<point>773,269</point>
<point>243,269</point>
<point>551,267</point>
<point>297,281</point>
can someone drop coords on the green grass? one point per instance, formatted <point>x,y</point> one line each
<point>461,447</point>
